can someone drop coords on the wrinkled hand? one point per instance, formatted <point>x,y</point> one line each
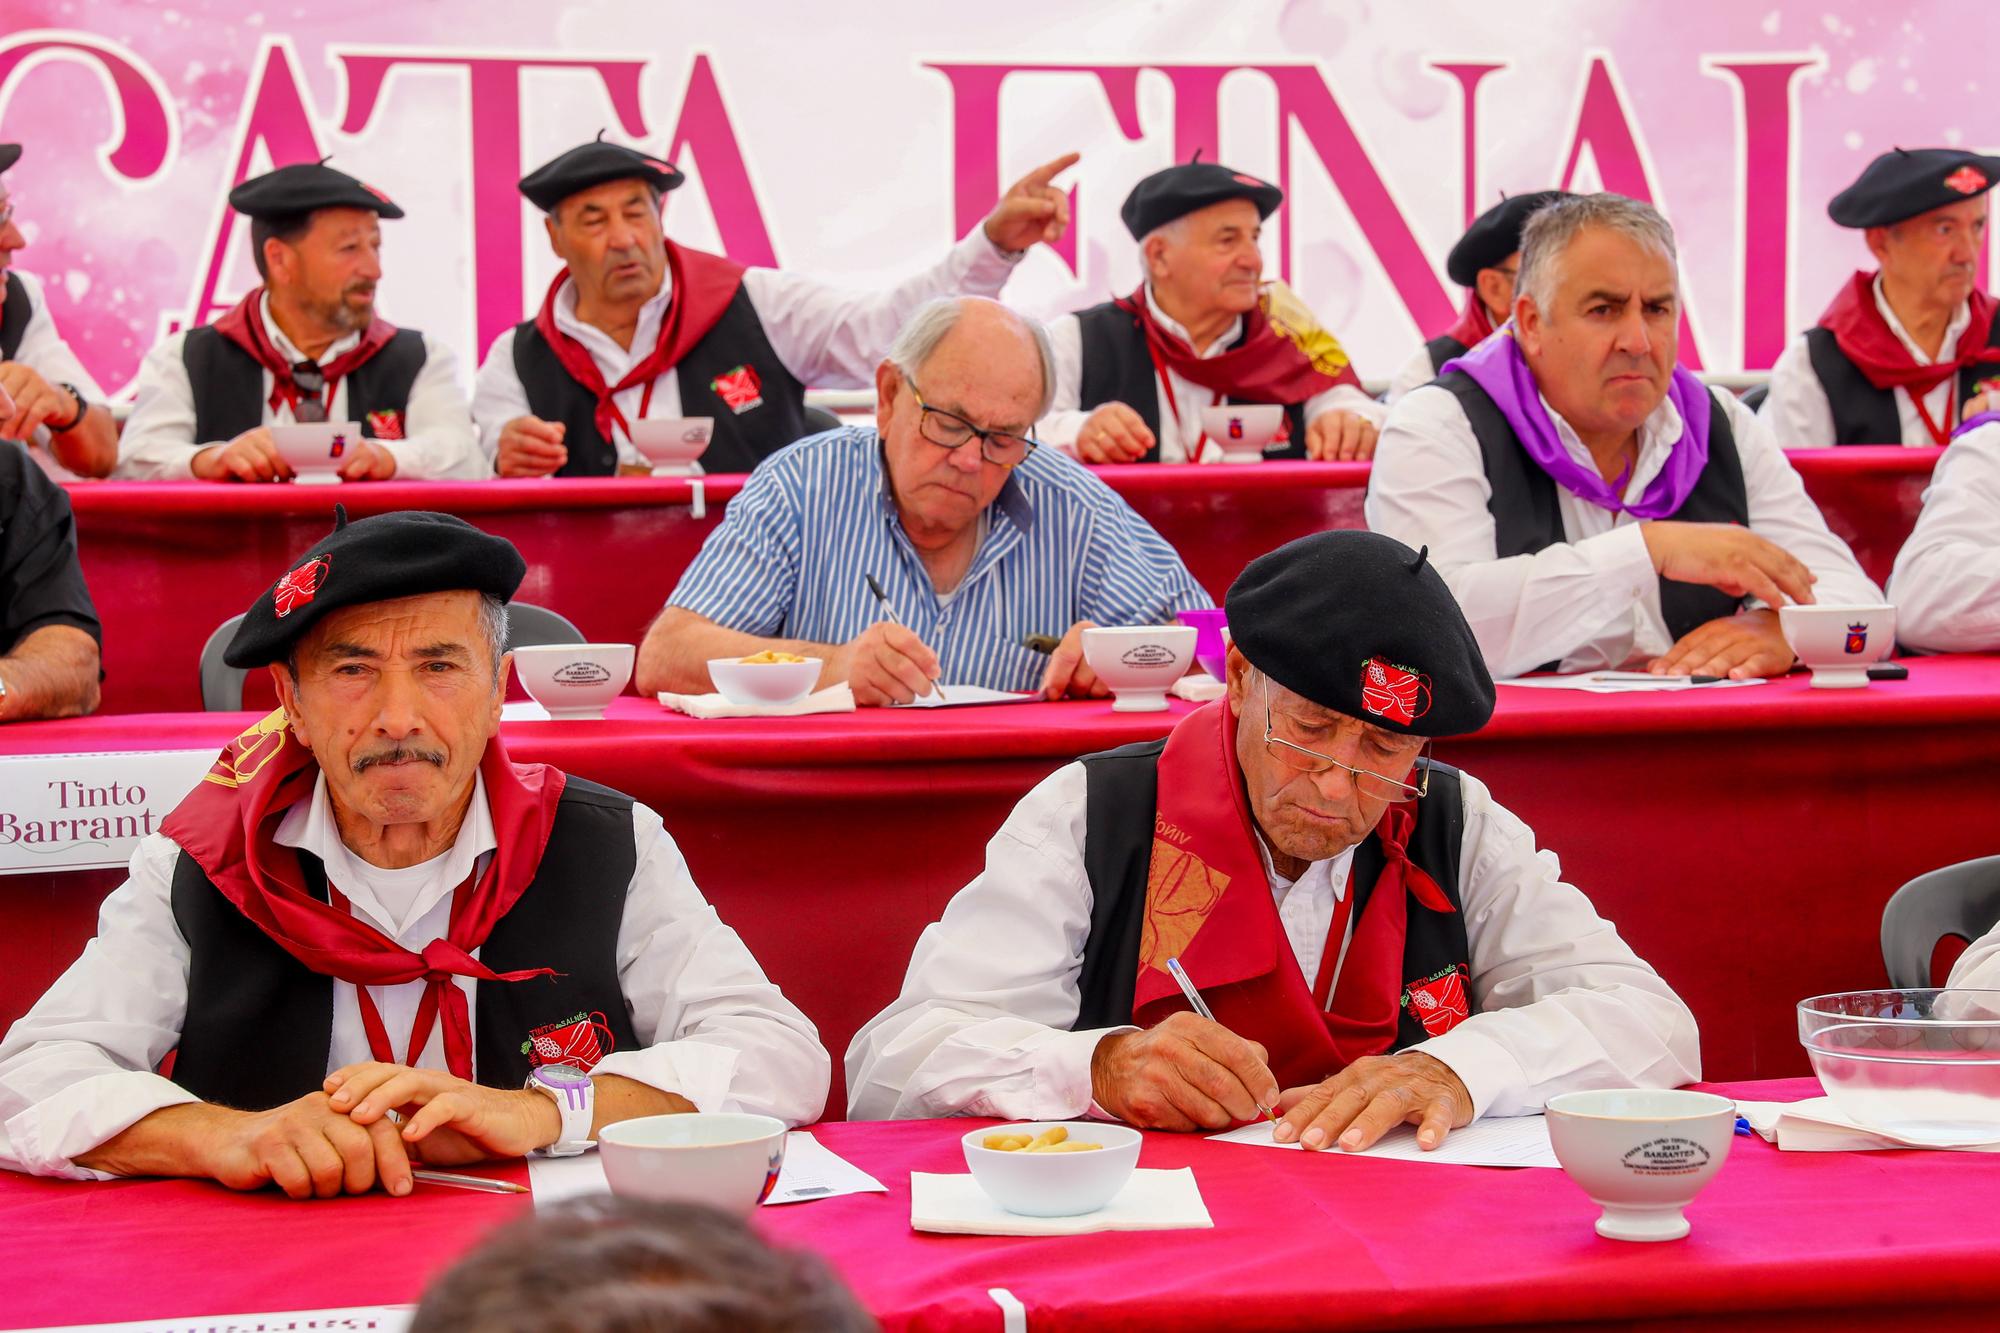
<point>367,460</point>
<point>1742,647</point>
<point>1731,558</point>
<point>1372,1096</point>
<point>886,664</point>
<point>34,401</point>
<point>531,447</point>
<point>309,1150</point>
<point>1185,1073</point>
<point>1114,433</point>
<point>1337,436</point>
<point>1068,675</point>
<point>446,1120</point>
<point>1032,209</point>
<point>251,456</point>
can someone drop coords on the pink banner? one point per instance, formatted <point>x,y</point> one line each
<point>859,147</point>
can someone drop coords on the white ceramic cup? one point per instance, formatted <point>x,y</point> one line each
<point>1641,1154</point>
<point>1838,643</point>
<point>1054,1184</point>
<point>1140,663</point>
<point>574,680</point>
<point>1243,429</point>
<point>316,450</point>
<point>725,1160</point>
<point>751,684</point>
<point>672,444</point>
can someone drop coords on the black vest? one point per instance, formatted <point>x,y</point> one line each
<point>741,439</point>
<point>228,383</point>
<point>1864,414</point>
<point>1123,791</point>
<point>1442,349</point>
<point>1526,518</point>
<point>14,317</point>
<point>259,1024</point>
<point>1117,368</point>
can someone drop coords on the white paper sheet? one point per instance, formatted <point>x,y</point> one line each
<point>347,1319</point>
<point>1816,1125</point>
<point>962,696</point>
<point>811,1171</point>
<point>523,710</point>
<point>1623,682</point>
<point>1498,1141</point>
<point>1150,1201</point>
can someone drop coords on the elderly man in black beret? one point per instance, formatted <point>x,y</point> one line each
<point>371,940</point>
<point>637,326</point>
<point>1133,375</point>
<point>1484,262</point>
<point>1378,939</point>
<point>1907,352</point>
<point>305,347</point>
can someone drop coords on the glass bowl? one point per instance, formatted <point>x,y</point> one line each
<point>1920,1064</point>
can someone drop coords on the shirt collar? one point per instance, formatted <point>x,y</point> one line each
<point>1952,331</point>
<point>310,826</point>
<point>344,343</point>
<point>1333,870</point>
<point>1658,434</point>
<point>644,335</point>
<point>1173,326</point>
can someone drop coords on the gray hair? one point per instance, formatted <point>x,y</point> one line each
<point>930,326</point>
<point>1551,228</point>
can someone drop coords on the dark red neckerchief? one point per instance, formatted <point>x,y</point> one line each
<point>227,825</point>
<point>1208,902</point>
<point>1263,367</point>
<point>700,288</point>
<point>243,324</point>
<point>1866,339</point>
<point>1473,323</point>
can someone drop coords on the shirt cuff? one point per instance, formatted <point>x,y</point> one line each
<point>46,1137</point>
<point>986,265</point>
<point>1065,1077</point>
<point>1621,554</point>
<point>1487,1069</point>
<point>696,1070</point>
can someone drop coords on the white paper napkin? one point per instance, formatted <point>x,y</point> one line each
<point>1150,1201</point>
<point>1816,1125</point>
<point>1198,687</point>
<point>833,699</point>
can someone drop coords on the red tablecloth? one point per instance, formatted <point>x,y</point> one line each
<point>1872,1241</point>
<point>1744,841</point>
<point>169,561</point>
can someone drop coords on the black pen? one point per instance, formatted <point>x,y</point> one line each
<point>890,612</point>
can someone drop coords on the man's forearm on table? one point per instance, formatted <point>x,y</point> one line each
<point>681,643</point>
<point>51,673</point>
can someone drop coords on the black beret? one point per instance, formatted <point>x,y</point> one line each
<point>1180,190</point>
<point>373,560</point>
<point>1359,623</point>
<point>1494,235</point>
<point>1904,182</point>
<point>593,164</point>
<point>303,187</point>
<point>10,153</point>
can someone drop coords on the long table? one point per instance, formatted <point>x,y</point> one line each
<point>1742,840</point>
<point>1822,1241</point>
<point>169,561</point>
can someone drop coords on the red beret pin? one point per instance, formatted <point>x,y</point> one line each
<point>298,587</point>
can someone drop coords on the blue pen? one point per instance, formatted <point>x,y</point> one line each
<point>1743,1127</point>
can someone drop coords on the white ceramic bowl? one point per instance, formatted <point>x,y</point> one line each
<point>1641,1154</point>
<point>1139,662</point>
<point>1922,1064</point>
<point>316,450</point>
<point>1837,643</point>
<point>1056,1184</point>
<point>673,443</point>
<point>574,680</point>
<point>1243,429</point>
<point>752,683</point>
<point>724,1160</point>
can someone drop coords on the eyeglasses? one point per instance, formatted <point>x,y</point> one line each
<point>1376,785</point>
<point>948,430</point>
<point>311,383</point>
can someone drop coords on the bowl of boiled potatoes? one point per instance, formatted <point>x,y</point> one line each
<point>1052,1169</point>
<point>768,678</point>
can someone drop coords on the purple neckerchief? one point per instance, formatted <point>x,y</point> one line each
<point>1974,422</point>
<point>1497,366</point>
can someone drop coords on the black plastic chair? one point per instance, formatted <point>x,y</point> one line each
<point>1961,900</point>
<point>1754,398</point>
<point>818,419</point>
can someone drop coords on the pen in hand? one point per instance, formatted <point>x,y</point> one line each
<point>1180,977</point>
<point>890,612</point>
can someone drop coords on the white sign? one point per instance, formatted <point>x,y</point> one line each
<point>88,811</point>
<point>358,1318</point>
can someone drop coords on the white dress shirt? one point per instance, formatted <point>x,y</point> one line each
<point>982,1025</point>
<point>44,351</point>
<point>158,441</point>
<point>1946,583</point>
<point>827,338</point>
<point>1800,417</point>
<point>1066,415</point>
<point>1412,374</point>
<point>76,1069</point>
<point>1591,601</point>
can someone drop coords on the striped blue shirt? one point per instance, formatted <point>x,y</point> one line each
<point>792,555</point>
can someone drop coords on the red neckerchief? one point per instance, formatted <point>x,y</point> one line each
<point>701,286</point>
<point>227,825</point>
<point>1208,902</point>
<point>1866,339</point>
<point>243,324</point>
<point>1263,367</point>
<point>1473,322</point>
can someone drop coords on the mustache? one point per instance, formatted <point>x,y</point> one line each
<point>400,754</point>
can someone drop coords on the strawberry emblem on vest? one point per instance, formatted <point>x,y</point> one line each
<point>385,425</point>
<point>580,1040</point>
<point>1398,693</point>
<point>739,388</point>
<point>299,587</point>
<point>1438,1002</point>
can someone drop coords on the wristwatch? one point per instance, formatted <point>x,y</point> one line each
<point>576,1099</point>
<point>82,408</point>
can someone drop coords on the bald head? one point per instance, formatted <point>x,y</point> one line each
<point>981,331</point>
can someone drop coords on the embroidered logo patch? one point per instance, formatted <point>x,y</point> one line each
<point>1242,179</point>
<point>740,388</point>
<point>339,446</point>
<point>385,425</point>
<point>1857,638</point>
<point>301,585</point>
<point>580,1040</point>
<point>1400,694</point>
<point>1438,1002</point>
<point>1967,180</point>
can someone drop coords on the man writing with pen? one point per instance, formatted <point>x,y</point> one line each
<point>931,549</point>
<point>1379,940</point>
